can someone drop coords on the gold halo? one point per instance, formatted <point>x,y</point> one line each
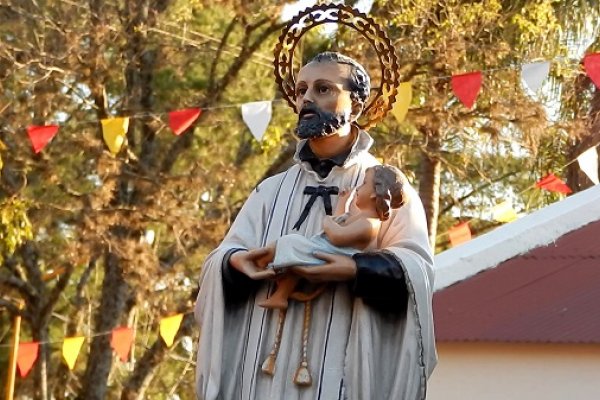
<point>381,103</point>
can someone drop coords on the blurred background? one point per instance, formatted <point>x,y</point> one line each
<point>93,238</point>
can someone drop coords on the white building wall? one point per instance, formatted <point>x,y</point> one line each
<point>506,371</point>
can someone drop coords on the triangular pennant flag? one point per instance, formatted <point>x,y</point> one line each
<point>466,87</point>
<point>534,74</point>
<point>40,136</point>
<point>592,67</point>
<point>28,353</point>
<point>257,116</point>
<point>113,131</point>
<point>504,212</point>
<point>169,327</point>
<point>588,162</point>
<point>70,349</point>
<point>121,341</point>
<point>180,120</point>
<point>403,99</point>
<point>459,233</point>
<point>552,183</point>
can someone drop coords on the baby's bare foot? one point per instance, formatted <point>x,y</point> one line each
<point>273,302</point>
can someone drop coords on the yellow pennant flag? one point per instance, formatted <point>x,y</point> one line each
<point>113,131</point>
<point>403,99</point>
<point>169,327</point>
<point>70,349</point>
<point>504,212</point>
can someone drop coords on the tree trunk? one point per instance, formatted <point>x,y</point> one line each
<point>114,294</point>
<point>62,376</point>
<point>576,178</point>
<point>139,380</point>
<point>40,377</point>
<point>429,183</point>
<point>39,318</point>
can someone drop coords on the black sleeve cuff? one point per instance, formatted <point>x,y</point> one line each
<point>380,282</point>
<point>236,286</point>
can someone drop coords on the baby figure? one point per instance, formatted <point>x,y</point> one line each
<point>344,233</point>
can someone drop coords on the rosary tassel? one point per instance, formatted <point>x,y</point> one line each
<point>268,367</point>
<point>302,376</point>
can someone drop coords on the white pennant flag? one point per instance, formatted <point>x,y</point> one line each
<point>588,162</point>
<point>534,74</point>
<point>257,116</point>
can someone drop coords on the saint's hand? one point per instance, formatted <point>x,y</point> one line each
<point>337,268</point>
<point>252,263</point>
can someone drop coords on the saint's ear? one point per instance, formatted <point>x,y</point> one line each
<point>357,109</point>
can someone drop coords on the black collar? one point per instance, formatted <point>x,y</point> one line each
<point>322,166</point>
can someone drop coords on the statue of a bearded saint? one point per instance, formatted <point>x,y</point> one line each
<point>368,335</point>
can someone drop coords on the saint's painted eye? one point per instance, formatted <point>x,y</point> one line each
<point>300,91</point>
<point>323,89</point>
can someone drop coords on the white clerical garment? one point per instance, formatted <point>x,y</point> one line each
<point>355,352</point>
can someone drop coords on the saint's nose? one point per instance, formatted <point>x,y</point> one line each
<point>308,97</point>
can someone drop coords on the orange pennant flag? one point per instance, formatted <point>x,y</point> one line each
<point>70,350</point>
<point>28,353</point>
<point>466,87</point>
<point>180,120</point>
<point>459,233</point>
<point>591,62</point>
<point>553,183</point>
<point>121,341</point>
<point>169,327</point>
<point>40,136</point>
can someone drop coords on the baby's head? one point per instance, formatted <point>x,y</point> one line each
<point>388,184</point>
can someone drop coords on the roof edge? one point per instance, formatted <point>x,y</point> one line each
<point>537,229</point>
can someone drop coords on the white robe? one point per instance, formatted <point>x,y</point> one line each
<point>355,352</point>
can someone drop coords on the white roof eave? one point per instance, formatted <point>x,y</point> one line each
<point>505,242</point>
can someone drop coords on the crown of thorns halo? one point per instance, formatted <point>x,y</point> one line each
<point>379,104</point>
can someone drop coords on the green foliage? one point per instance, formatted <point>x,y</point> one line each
<point>15,227</point>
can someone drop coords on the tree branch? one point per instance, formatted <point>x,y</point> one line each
<point>222,44</point>
<point>456,202</point>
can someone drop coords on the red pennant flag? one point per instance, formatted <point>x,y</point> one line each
<point>180,120</point>
<point>28,353</point>
<point>121,341</point>
<point>553,183</point>
<point>591,63</point>
<point>459,233</point>
<point>466,87</point>
<point>41,135</point>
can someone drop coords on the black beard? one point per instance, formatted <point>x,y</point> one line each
<point>321,124</point>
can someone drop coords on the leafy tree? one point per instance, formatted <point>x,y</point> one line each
<point>85,265</point>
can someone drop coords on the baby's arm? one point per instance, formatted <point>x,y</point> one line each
<point>357,234</point>
<point>343,199</point>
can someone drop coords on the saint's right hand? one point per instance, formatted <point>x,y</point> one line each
<point>249,263</point>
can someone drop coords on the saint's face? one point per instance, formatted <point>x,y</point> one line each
<point>323,100</point>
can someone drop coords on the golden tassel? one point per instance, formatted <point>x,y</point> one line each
<point>302,376</point>
<point>268,366</point>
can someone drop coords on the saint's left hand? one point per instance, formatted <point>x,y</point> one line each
<point>336,269</point>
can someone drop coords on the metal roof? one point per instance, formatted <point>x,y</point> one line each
<point>547,294</point>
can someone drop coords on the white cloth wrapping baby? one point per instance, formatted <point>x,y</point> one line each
<point>295,250</point>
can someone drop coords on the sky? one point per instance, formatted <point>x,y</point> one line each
<point>293,8</point>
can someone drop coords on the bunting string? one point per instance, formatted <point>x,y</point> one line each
<point>257,115</point>
<point>121,342</point>
<point>550,182</point>
<point>90,336</point>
